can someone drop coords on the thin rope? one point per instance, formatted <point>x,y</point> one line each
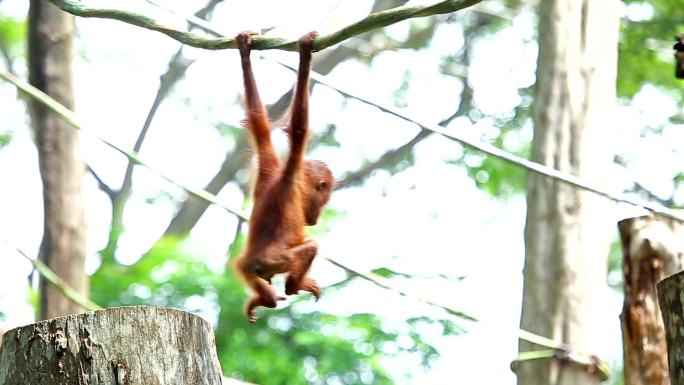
<point>476,144</point>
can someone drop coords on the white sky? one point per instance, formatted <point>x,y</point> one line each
<point>429,219</point>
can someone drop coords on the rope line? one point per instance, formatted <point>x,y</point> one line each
<point>70,117</point>
<point>483,147</point>
<point>373,21</point>
<point>476,144</point>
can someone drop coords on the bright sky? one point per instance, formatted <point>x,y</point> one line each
<point>429,219</point>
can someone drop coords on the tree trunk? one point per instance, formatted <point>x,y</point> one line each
<point>3,330</point>
<point>567,234</point>
<point>126,345</point>
<point>61,167</point>
<point>653,249</point>
<point>671,302</point>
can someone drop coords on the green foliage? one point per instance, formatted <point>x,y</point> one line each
<point>324,221</point>
<point>166,276</point>
<point>325,138</point>
<point>615,260</point>
<point>229,130</point>
<point>389,273</point>
<point>33,299</point>
<point>420,33</point>
<point>646,54</point>
<point>5,139</point>
<point>400,93</point>
<point>294,347</point>
<point>497,177</point>
<point>12,35</point>
<point>618,377</point>
<point>679,178</point>
<point>286,345</point>
<point>512,3</point>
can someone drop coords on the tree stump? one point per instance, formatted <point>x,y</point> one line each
<point>652,249</point>
<point>123,346</point>
<point>671,299</point>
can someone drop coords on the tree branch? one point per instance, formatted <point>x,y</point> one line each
<point>641,189</point>
<point>393,156</point>
<point>61,285</point>
<point>178,65</point>
<point>101,183</point>
<point>177,68</point>
<point>388,284</point>
<point>371,22</point>
<point>193,208</point>
<point>70,117</point>
<point>4,52</point>
<point>496,152</point>
<point>387,159</point>
<point>324,65</point>
<point>486,148</point>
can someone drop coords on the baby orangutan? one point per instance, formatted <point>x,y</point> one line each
<point>286,196</point>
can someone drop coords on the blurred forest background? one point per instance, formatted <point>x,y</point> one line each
<point>424,232</point>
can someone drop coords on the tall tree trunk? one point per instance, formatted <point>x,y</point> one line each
<point>61,167</point>
<point>567,235</point>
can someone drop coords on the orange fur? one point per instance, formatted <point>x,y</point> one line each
<point>287,195</point>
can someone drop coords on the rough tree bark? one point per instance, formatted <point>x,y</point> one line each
<point>566,235</point>
<point>671,299</point>
<point>61,167</point>
<point>3,330</point>
<point>653,248</point>
<point>126,345</point>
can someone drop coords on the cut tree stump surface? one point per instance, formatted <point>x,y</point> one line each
<point>122,346</point>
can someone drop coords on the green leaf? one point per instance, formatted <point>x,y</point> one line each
<point>5,139</point>
<point>12,31</point>
<point>645,49</point>
<point>388,273</point>
<point>679,178</point>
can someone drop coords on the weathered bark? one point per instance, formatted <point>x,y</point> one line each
<point>126,345</point>
<point>671,302</point>
<point>3,330</point>
<point>653,248</point>
<point>567,235</point>
<point>61,167</point>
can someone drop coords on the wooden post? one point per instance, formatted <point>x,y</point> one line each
<point>652,249</point>
<point>118,346</point>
